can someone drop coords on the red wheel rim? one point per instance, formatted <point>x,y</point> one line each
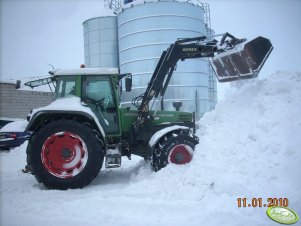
<point>180,154</point>
<point>64,154</point>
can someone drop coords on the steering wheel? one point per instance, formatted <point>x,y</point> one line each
<point>99,102</point>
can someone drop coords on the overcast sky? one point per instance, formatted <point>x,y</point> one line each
<point>35,33</point>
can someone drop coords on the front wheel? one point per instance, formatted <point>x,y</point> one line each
<point>65,154</point>
<point>174,148</point>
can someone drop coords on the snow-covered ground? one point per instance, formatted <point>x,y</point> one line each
<point>249,148</point>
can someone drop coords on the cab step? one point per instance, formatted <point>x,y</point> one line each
<point>113,158</point>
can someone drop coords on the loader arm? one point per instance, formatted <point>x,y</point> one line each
<point>231,59</point>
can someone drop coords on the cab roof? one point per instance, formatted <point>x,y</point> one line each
<point>87,71</point>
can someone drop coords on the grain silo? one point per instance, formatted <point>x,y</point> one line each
<point>134,40</point>
<point>100,42</point>
<point>145,30</point>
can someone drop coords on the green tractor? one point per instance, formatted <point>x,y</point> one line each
<point>86,126</point>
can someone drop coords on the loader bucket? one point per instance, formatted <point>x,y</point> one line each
<point>242,62</point>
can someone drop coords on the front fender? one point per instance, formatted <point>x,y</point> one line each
<point>157,136</point>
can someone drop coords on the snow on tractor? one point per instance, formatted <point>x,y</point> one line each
<point>85,125</point>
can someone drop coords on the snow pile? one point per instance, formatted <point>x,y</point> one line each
<point>253,137</point>
<point>249,148</point>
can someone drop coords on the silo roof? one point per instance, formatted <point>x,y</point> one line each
<point>142,2</point>
<point>103,15</point>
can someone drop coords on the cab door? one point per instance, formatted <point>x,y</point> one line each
<point>98,94</point>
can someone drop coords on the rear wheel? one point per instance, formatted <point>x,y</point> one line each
<point>174,148</point>
<point>65,154</point>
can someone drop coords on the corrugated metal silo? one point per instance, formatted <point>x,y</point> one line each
<point>144,31</point>
<point>211,77</point>
<point>100,42</point>
<point>212,86</point>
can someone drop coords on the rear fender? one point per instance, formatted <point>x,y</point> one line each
<point>39,117</point>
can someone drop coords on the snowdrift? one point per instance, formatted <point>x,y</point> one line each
<point>249,148</point>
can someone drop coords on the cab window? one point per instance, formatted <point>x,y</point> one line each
<point>98,88</point>
<point>66,86</point>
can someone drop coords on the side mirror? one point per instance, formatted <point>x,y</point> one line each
<point>128,83</point>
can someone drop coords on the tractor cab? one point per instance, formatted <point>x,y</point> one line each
<point>98,88</point>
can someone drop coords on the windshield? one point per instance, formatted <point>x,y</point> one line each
<point>65,87</point>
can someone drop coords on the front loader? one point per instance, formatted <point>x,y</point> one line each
<point>86,125</point>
